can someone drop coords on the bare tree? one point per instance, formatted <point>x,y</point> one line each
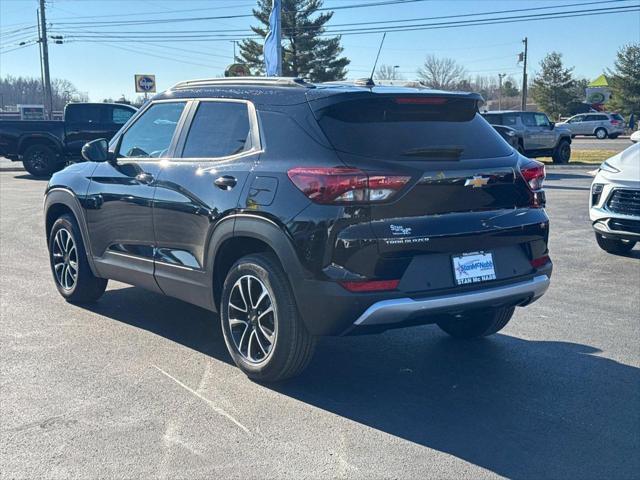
<point>441,73</point>
<point>387,72</point>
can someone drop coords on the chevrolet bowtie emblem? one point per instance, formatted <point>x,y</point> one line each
<point>476,182</point>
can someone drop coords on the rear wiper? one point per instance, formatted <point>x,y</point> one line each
<point>446,153</point>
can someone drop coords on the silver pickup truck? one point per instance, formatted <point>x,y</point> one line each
<point>537,136</point>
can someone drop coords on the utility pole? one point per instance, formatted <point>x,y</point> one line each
<point>44,49</point>
<point>524,76</point>
<point>500,77</point>
<point>234,50</point>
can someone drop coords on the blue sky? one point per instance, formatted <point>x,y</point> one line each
<point>106,69</point>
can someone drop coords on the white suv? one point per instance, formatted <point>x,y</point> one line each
<point>615,201</point>
<point>602,125</point>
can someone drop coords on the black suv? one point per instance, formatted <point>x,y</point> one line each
<point>298,210</point>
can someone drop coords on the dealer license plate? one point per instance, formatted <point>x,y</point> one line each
<point>473,268</point>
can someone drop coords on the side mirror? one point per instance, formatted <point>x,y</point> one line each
<point>96,150</point>
<point>552,125</point>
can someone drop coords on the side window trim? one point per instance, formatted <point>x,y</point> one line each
<point>256,143</point>
<point>139,114</point>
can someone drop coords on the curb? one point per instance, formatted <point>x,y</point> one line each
<point>12,169</point>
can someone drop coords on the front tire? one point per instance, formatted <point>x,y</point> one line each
<point>262,328</point>
<point>562,152</point>
<point>601,133</point>
<point>612,245</point>
<point>68,258</point>
<point>477,324</point>
<point>40,160</point>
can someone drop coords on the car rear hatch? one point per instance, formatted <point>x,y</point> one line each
<point>463,191</point>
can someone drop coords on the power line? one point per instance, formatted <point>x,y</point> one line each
<point>384,22</point>
<point>226,17</point>
<point>168,36</point>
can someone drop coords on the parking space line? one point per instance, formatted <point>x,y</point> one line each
<point>215,408</point>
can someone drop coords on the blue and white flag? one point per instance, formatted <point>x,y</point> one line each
<point>272,45</point>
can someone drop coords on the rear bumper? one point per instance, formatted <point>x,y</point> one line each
<point>402,309</point>
<point>328,309</point>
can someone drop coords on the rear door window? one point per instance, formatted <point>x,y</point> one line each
<point>439,128</point>
<point>84,113</point>
<point>219,129</point>
<point>120,115</point>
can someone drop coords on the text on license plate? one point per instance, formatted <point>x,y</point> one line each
<point>473,267</point>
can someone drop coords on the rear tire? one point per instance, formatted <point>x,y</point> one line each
<point>612,245</point>
<point>601,133</point>
<point>562,152</point>
<point>68,258</point>
<point>266,346</point>
<point>40,160</point>
<point>477,323</point>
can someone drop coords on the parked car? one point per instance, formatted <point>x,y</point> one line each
<point>509,135</point>
<point>600,125</point>
<point>298,210</point>
<point>45,146</point>
<point>615,201</point>
<point>537,136</point>
<point>635,136</point>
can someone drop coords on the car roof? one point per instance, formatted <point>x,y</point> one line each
<point>288,90</point>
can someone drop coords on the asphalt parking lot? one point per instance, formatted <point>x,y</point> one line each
<point>139,385</point>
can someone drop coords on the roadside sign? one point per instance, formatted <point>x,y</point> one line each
<point>145,83</point>
<point>237,70</point>
<point>31,112</point>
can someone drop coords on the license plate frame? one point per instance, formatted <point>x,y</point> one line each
<point>473,267</point>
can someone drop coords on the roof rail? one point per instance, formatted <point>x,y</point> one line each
<point>266,81</point>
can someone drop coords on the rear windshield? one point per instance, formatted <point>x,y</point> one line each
<point>617,116</point>
<point>435,128</point>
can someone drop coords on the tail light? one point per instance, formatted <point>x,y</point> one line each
<point>371,285</point>
<point>338,185</point>
<point>534,174</point>
<point>615,122</point>
<point>540,261</point>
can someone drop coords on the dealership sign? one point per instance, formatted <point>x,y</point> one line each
<point>145,83</point>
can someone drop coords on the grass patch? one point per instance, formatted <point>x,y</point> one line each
<point>585,156</point>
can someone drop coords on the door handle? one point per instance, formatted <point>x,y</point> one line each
<point>226,182</point>
<point>145,178</point>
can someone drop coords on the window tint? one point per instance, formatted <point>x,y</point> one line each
<point>85,113</point>
<point>219,129</point>
<point>493,118</point>
<point>528,119</point>
<point>596,118</point>
<point>510,119</point>
<point>617,116</point>
<point>151,134</point>
<point>120,115</point>
<point>404,127</point>
<point>541,120</point>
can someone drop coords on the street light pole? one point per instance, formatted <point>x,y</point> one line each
<point>500,77</point>
<point>394,71</point>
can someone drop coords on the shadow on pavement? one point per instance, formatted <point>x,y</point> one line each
<point>27,176</point>
<point>519,408</point>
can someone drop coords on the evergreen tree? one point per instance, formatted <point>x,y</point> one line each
<point>305,52</point>
<point>509,89</point>
<point>624,80</point>
<point>554,87</point>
